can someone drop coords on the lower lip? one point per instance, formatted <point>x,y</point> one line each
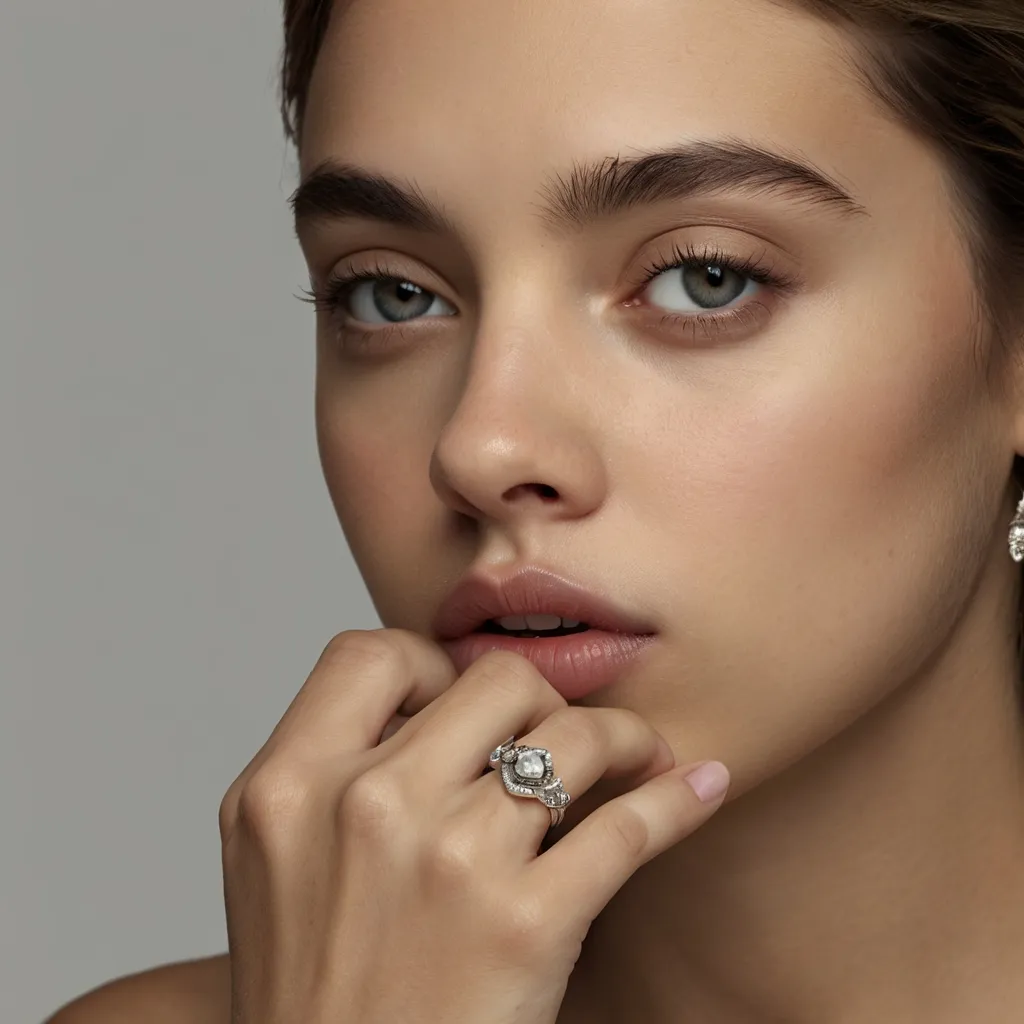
<point>575,664</point>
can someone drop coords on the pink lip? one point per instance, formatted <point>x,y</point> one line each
<point>574,665</point>
<point>529,591</point>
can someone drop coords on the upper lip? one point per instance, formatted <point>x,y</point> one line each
<point>529,591</point>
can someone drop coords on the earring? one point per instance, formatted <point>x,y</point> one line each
<point>1017,533</point>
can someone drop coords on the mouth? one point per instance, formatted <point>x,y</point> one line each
<point>579,640</point>
<point>518,626</point>
<point>576,661</point>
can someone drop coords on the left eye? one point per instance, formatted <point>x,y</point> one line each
<point>392,300</point>
<point>692,288</point>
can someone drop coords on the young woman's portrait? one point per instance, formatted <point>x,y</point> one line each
<point>669,397</point>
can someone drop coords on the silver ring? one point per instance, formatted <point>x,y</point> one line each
<point>528,771</point>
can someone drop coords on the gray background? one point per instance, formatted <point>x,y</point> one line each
<point>171,565</point>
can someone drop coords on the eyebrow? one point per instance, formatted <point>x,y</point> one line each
<point>589,193</point>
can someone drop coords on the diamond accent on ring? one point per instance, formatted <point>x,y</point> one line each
<point>529,765</point>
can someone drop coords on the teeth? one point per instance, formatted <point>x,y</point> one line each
<point>512,622</point>
<point>540,622</point>
<point>535,622</point>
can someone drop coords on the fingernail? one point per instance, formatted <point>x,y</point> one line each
<point>708,780</point>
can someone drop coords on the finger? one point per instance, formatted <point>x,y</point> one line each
<point>396,723</point>
<point>499,695</point>
<point>588,744</point>
<point>586,867</point>
<point>360,681</point>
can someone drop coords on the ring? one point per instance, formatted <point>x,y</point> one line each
<point>528,771</point>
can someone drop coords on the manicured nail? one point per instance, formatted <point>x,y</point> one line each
<point>709,780</point>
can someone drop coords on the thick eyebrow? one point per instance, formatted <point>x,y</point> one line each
<point>589,193</point>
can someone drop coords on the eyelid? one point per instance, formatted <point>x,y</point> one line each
<point>391,266</point>
<point>755,261</point>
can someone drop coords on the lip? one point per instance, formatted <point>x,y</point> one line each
<point>575,665</point>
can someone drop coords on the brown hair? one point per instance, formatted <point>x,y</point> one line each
<point>952,71</point>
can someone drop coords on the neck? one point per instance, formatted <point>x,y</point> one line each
<point>881,878</point>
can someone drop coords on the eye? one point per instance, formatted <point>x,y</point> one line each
<point>695,281</point>
<point>375,299</point>
<point>699,292</point>
<point>692,289</point>
<point>375,296</point>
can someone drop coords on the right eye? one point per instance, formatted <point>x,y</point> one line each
<point>366,297</point>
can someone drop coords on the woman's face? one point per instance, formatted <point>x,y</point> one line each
<point>800,489</point>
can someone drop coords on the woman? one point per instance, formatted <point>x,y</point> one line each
<point>697,326</point>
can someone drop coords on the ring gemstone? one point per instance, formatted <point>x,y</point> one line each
<point>530,765</point>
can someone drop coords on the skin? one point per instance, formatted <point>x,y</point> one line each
<point>812,509</point>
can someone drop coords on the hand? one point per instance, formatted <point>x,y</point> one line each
<point>378,879</point>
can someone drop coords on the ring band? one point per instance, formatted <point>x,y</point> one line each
<point>529,772</point>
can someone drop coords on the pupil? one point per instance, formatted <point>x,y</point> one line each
<point>704,283</point>
<point>401,297</point>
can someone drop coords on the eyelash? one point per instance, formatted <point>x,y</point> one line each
<point>331,298</point>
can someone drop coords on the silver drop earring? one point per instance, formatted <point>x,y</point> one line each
<point>1017,533</point>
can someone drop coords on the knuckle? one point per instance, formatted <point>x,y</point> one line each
<point>581,727</point>
<point>227,812</point>
<point>631,718</point>
<point>627,829</point>
<point>371,804</point>
<point>523,927</point>
<point>374,648</point>
<point>272,798</point>
<point>505,670</point>
<point>453,857</point>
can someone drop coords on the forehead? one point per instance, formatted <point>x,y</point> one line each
<point>479,99</point>
<point>559,70</point>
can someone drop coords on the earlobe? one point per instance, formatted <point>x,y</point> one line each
<point>1017,429</point>
<point>1008,370</point>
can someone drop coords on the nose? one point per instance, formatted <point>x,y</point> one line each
<point>522,441</point>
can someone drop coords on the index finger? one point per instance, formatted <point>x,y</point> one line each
<point>362,678</point>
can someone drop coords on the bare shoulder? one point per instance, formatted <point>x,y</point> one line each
<point>187,992</point>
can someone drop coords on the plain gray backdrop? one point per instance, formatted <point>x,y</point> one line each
<point>171,564</point>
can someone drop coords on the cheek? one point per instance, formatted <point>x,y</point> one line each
<point>872,457</point>
<point>825,523</point>
<point>821,533</point>
<point>374,469</point>
<point>853,442</point>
